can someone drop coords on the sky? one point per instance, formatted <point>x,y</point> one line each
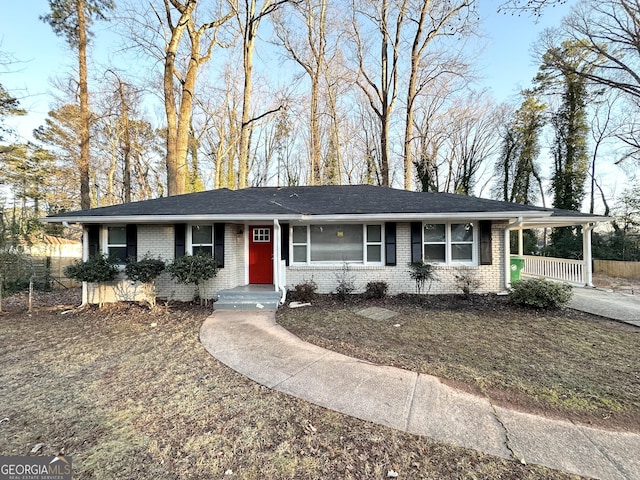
<point>505,63</point>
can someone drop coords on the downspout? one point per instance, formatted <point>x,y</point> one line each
<point>85,257</point>
<point>586,253</point>
<point>507,251</point>
<point>277,263</point>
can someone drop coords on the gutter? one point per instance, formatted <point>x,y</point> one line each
<point>507,254</point>
<point>348,217</point>
<point>277,233</point>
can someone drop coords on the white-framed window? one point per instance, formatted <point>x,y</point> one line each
<point>449,243</point>
<point>299,242</point>
<point>116,244</point>
<point>374,243</point>
<point>201,239</point>
<point>337,243</point>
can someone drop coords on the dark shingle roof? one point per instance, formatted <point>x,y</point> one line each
<point>369,199</point>
<point>309,200</point>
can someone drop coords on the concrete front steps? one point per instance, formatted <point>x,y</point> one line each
<point>248,297</point>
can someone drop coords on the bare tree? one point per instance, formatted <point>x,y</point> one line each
<point>202,39</point>
<point>431,124</point>
<point>607,32</point>
<point>430,20</point>
<point>249,18</point>
<point>603,128</point>
<point>307,46</point>
<point>535,8</point>
<point>175,35</point>
<point>378,77</point>
<point>311,32</point>
<point>124,137</point>
<point>472,141</point>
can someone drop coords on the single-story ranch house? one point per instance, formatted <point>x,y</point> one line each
<point>280,237</point>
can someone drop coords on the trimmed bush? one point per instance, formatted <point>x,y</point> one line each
<point>304,292</point>
<point>540,294</point>
<point>97,269</point>
<point>376,289</point>
<point>145,271</point>
<point>194,269</point>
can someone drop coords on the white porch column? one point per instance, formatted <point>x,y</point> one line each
<point>277,264</point>
<point>276,253</point>
<point>85,257</point>
<point>586,253</point>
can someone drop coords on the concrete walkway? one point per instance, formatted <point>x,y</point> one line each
<point>618,306</point>
<point>254,345</point>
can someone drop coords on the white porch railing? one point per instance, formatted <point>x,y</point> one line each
<point>570,271</point>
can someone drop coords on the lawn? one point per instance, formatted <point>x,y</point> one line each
<point>133,395</point>
<point>564,363</point>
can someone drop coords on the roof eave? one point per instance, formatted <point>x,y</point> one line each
<point>154,219</point>
<point>234,218</point>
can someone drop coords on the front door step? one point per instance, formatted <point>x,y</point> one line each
<point>250,297</point>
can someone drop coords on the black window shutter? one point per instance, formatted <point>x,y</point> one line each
<point>416,241</point>
<point>94,239</point>
<point>486,254</point>
<point>132,241</point>
<point>218,243</point>
<point>180,232</point>
<point>390,243</point>
<point>284,243</point>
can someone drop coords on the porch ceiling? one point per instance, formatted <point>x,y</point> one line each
<point>562,221</point>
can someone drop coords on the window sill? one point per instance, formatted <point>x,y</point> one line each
<point>453,265</point>
<point>336,266</point>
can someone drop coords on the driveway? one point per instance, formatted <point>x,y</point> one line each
<point>618,306</point>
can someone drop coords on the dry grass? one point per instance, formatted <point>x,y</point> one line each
<point>560,364</point>
<point>129,400</point>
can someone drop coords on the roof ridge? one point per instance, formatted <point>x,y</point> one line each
<point>248,194</point>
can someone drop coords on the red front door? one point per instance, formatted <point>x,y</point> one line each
<point>261,254</point>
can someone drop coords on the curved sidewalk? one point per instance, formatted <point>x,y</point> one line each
<point>253,344</point>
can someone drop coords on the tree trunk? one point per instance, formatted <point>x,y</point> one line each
<point>83,167</point>
<point>336,166</point>
<point>314,127</point>
<point>173,162</point>
<point>245,126</point>
<point>177,138</point>
<point>126,148</point>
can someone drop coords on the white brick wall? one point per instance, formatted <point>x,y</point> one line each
<point>158,241</point>
<point>398,278</point>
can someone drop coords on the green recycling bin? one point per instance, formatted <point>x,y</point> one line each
<point>517,265</point>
